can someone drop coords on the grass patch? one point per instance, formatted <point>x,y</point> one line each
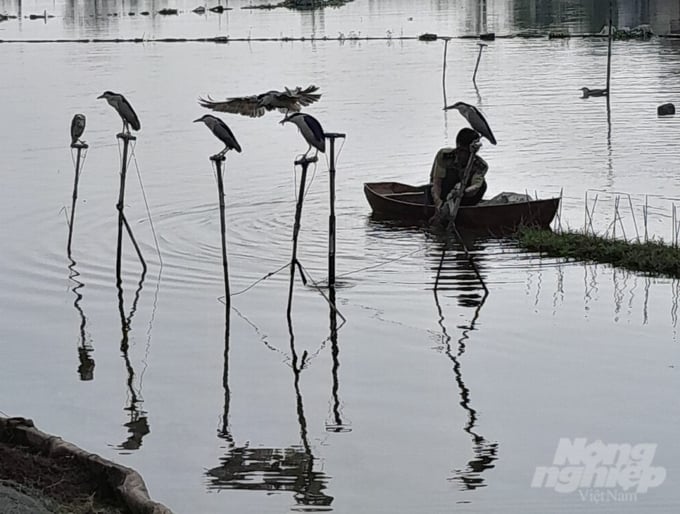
<point>653,257</point>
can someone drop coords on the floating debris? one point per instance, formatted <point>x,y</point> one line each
<point>199,10</point>
<point>144,13</point>
<point>666,109</point>
<point>168,12</point>
<point>427,37</point>
<point>490,36</point>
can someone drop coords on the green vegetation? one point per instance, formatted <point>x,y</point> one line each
<point>654,257</point>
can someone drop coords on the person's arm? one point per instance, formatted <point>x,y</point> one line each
<point>480,167</point>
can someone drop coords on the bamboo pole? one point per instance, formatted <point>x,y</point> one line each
<point>219,160</point>
<point>79,146</point>
<point>479,56</point>
<point>122,220</point>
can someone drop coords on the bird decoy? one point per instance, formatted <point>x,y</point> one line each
<point>475,118</point>
<point>587,92</point>
<point>257,105</point>
<point>221,132</point>
<point>77,129</point>
<point>124,109</point>
<point>310,128</point>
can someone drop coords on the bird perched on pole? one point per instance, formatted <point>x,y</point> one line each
<point>221,132</point>
<point>124,109</point>
<point>310,128</point>
<point>475,118</point>
<point>77,129</point>
<point>289,100</point>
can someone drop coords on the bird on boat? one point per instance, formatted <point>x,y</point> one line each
<point>310,128</point>
<point>257,105</point>
<point>475,118</point>
<point>221,132</point>
<point>587,92</point>
<point>77,129</point>
<point>124,109</point>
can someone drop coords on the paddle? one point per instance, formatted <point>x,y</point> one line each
<point>453,211</point>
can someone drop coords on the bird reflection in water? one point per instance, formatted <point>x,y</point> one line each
<point>138,424</point>
<point>273,469</point>
<point>462,278</point>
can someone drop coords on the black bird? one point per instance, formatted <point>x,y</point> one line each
<point>587,92</point>
<point>256,105</point>
<point>124,109</point>
<point>310,128</point>
<point>475,118</point>
<point>221,131</point>
<point>77,128</point>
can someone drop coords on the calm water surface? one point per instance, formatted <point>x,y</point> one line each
<point>419,402</point>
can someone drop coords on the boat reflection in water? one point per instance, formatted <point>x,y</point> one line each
<point>454,272</point>
<point>274,469</point>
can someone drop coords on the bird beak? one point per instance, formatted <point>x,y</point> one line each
<point>448,107</point>
<point>199,119</point>
<point>100,96</point>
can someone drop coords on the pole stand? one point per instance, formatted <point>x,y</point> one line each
<point>80,145</point>
<point>218,157</point>
<point>126,136</point>
<point>305,161</point>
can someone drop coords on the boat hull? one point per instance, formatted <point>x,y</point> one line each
<point>397,201</point>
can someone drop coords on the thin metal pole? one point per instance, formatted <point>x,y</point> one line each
<point>609,48</point>
<point>331,217</point>
<point>218,160</point>
<point>446,46</point>
<point>79,146</point>
<point>479,56</point>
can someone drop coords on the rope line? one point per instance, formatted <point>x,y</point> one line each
<point>148,211</point>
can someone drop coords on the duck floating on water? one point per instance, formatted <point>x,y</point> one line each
<point>587,92</point>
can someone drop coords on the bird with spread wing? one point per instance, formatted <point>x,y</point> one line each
<point>289,100</point>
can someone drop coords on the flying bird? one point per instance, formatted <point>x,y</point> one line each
<point>310,128</point>
<point>77,128</point>
<point>475,118</point>
<point>221,132</point>
<point>124,109</point>
<point>289,100</point>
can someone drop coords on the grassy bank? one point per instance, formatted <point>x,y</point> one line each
<point>652,257</point>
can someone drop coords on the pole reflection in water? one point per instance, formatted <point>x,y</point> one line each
<point>85,349</point>
<point>138,424</point>
<point>337,424</point>
<point>471,295</point>
<point>276,469</point>
<point>224,431</point>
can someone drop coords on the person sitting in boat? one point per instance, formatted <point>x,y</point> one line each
<point>448,169</point>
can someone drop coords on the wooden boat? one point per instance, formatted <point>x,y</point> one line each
<point>396,201</point>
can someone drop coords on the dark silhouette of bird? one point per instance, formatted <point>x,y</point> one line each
<point>289,100</point>
<point>77,129</point>
<point>124,109</point>
<point>221,132</point>
<point>310,128</point>
<point>587,92</point>
<point>475,118</point>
